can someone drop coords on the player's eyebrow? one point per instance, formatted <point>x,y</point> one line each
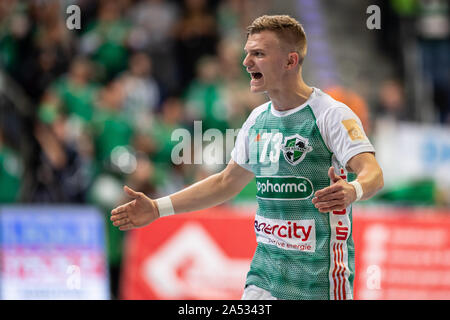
<point>253,50</point>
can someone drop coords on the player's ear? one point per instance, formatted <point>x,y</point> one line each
<point>293,60</point>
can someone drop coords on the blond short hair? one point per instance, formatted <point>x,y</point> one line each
<point>289,30</point>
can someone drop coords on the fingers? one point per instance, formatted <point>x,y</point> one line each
<point>121,222</point>
<point>119,209</point>
<point>339,195</point>
<point>327,206</point>
<point>119,216</point>
<point>131,192</point>
<point>123,208</point>
<point>126,227</point>
<point>333,175</point>
<point>329,190</point>
<point>332,208</point>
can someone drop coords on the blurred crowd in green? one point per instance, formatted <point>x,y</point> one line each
<point>106,98</point>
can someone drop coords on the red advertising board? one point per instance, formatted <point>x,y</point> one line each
<point>400,254</point>
<point>202,255</point>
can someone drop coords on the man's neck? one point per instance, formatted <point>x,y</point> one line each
<point>289,98</point>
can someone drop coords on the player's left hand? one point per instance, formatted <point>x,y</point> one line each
<point>336,197</point>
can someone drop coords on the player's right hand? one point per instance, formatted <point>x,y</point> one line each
<point>139,212</point>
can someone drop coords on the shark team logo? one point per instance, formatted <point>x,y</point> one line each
<point>295,149</point>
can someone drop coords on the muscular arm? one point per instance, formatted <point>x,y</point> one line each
<point>213,190</point>
<point>368,172</point>
<point>341,194</point>
<point>206,193</point>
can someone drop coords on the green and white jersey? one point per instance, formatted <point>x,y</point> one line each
<point>301,252</point>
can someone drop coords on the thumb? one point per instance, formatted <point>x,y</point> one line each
<point>335,178</point>
<point>131,192</point>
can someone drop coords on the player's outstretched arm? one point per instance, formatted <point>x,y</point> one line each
<point>341,194</point>
<point>206,193</point>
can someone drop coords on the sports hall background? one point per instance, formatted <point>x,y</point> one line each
<point>84,111</point>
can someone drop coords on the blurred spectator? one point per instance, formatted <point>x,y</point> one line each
<point>196,36</point>
<point>233,16</point>
<point>238,100</point>
<point>391,101</point>
<point>171,118</point>
<point>153,31</point>
<point>205,97</point>
<point>50,107</point>
<point>142,93</point>
<point>229,15</point>
<point>169,176</point>
<point>355,102</point>
<point>111,128</point>
<point>397,20</point>
<point>230,54</point>
<point>154,22</point>
<point>76,90</point>
<point>52,45</point>
<point>113,134</point>
<point>11,170</point>
<point>60,170</point>
<point>105,39</point>
<point>15,30</point>
<point>143,178</point>
<point>433,28</point>
<point>408,24</point>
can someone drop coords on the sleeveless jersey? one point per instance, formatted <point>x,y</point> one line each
<point>301,253</point>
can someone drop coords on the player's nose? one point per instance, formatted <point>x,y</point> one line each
<point>247,61</point>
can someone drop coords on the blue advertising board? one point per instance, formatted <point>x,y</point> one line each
<point>52,252</point>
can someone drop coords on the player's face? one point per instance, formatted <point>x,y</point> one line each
<point>264,61</point>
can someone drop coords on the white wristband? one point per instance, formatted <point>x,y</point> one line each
<point>165,206</point>
<point>358,189</point>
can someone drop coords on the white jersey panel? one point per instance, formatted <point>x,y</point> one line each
<point>340,127</point>
<point>240,152</point>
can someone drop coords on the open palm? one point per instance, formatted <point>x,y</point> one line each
<point>134,214</point>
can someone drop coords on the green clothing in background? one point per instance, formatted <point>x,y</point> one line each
<point>10,175</point>
<point>78,100</point>
<point>405,8</point>
<point>111,52</point>
<point>206,103</point>
<point>10,43</point>
<point>412,193</point>
<point>111,129</point>
<point>161,133</point>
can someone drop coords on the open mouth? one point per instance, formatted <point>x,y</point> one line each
<point>256,75</point>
